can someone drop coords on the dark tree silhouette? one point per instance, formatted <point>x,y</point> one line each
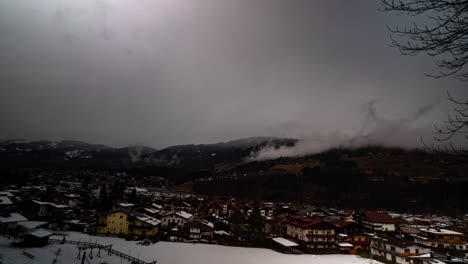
<point>444,34</point>
<point>103,198</point>
<point>133,196</point>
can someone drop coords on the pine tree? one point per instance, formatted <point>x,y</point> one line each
<point>134,196</point>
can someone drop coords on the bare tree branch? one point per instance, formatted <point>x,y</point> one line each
<point>445,38</point>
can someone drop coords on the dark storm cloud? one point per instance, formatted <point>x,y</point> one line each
<point>171,71</point>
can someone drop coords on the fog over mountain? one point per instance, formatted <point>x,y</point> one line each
<point>167,72</point>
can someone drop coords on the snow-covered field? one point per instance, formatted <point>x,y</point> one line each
<point>170,253</point>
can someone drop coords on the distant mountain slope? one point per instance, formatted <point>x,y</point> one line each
<point>74,154</point>
<point>204,156</point>
<point>66,153</point>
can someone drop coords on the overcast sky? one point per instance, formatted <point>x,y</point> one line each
<point>165,72</point>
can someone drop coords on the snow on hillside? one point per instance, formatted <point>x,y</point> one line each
<point>180,253</point>
<point>82,154</point>
<point>45,255</point>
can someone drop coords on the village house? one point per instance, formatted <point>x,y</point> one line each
<point>198,229</point>
<point>376,221</point>
<point>174,218</point>
<point>443,240</point>
<point>123,222</point>
<point>35,238</point>
<point>9,221</point>
<point>267,210</point>
<point>360,242</point>
<point>396,250</point>
<point>419,223</point>
<point>408,232</point>
<point>312,233</point>
<point>219,223</point>
<point>347,227</point>
<point>181,205</point>
<point>72,200</point>
<point>5,203</point>
<point>39,210</point>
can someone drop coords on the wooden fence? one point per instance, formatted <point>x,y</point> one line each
<point>111,251</point>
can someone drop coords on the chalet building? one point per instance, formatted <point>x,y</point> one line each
<point>408,232</point>
<point>312,233</point>
<point>173,218</point>
<point>221,208</point>
<point>443,240</point>
<point>347,227</point>
<point>151,211</point>
<point>123,222</point>
<point>39,210</point>
<point>376,221</point>
<point>246,209</point>
<point>72,200</point>
<point>181,205</point>
<point>9,221</point>
<point>219,223</point>
<point>360,242</point>
<point>267,210</point>
<point>198,229</point>
<point>396,250</point>
<point>419,223</point>
<point>5,203</point>
<point>35,238</point>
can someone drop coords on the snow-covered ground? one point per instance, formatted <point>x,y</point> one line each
<point>45,255</point>
<point>174,253</point>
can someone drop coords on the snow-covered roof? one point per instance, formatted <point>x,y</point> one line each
<point>222,232</point>
<point>149,220</point>
<point>40,233</point>
<point>284,242</point>
<point>126,204</point>
<point>51,204</point>
<point>206,222</point>
<point>71,195</point>
<point>345,245</point>
<point>8,194</point>
<point>4,200</point>
<point>156,205</point>
<point>184,214</point>
<point>440,231</point>
<point>12,218</point>
<point>151,211</point>
<point>32,224</point>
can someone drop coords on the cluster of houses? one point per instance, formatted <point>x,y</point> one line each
<point>32,214</point>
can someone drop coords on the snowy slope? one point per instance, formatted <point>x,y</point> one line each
<point>180,253</point>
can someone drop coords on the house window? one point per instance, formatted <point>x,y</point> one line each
<point>121,216</point>
<point>407,250</point>
<point>392,248</point>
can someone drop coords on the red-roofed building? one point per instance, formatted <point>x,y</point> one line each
<point>314,234</point>
<point>347,227</point>
<point>376,221</point>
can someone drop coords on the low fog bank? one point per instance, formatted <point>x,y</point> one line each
<point>376,130</point>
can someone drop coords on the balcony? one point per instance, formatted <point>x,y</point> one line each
<point>393,252</point>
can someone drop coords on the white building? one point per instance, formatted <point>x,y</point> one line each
<point>173,218</point>
<point>396,250</point>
